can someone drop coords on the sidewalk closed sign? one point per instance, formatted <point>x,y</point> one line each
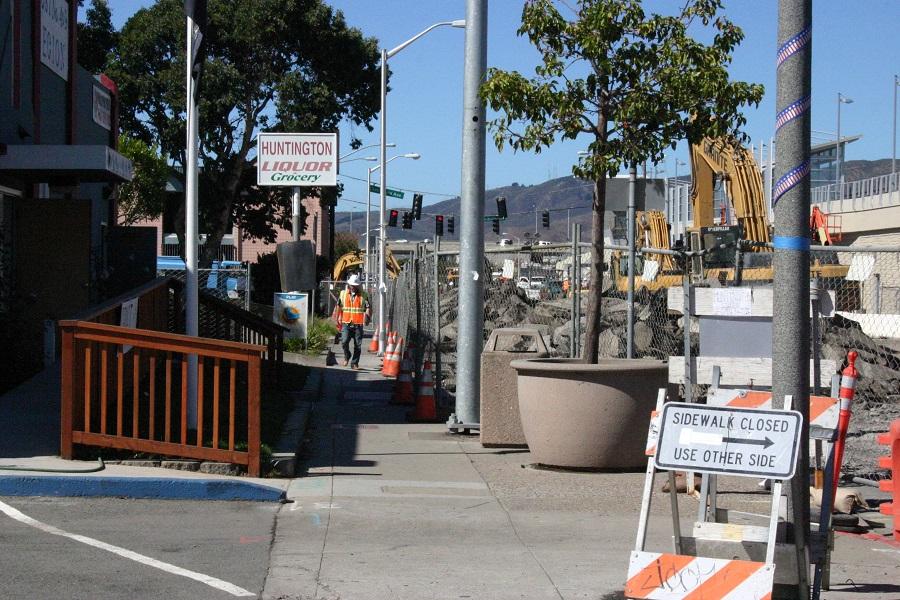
<point>746,442</point>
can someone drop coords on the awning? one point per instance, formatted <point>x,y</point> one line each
<point>46,163</point>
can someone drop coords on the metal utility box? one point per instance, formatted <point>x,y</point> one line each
<point>500,422</point>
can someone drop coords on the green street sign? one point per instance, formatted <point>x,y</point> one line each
<point>392,193</point>
<point>493,218</point>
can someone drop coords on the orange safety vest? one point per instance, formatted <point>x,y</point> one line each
<point>353,310</point>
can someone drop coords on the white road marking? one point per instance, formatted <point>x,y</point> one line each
<point>125,553</point>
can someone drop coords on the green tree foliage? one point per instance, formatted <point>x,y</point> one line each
<point>144,197</point>
<point>274,65</point>
<point>96,37</point>
<point>632,83</point>
<point>345,242</point>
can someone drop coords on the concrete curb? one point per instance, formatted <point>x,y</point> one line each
<point>139,487</point>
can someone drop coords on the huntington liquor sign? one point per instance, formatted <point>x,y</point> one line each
<point>297,159</point>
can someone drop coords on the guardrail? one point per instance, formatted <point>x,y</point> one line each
<point>882,191</point>
<point>127,389</point>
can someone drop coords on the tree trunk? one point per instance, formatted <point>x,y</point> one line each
<point>592,328</point>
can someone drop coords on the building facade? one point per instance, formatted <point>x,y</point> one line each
<point>58,167</point>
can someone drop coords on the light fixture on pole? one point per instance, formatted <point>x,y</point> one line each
<point>366,267</point>
<point>842,99</point>
<point>382,117</point>
<point>361,148</point>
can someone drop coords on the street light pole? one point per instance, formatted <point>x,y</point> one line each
<point>382,117</point>
<point>894,137</point>
<point>837,179</point>
<point>412,155</point>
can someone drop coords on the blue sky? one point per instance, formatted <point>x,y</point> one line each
<point>856,51</point>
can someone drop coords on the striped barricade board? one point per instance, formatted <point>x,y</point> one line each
<point>823,410</point>
<point>677,577</point>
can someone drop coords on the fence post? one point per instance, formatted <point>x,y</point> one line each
<point>253,409</point>
<point>574,284</point>
<point>68,390</point>
<point>629,324</point>
<point>686,288</point>
<point>437,321</point>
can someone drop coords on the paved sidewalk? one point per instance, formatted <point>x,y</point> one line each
<point>393,510</point>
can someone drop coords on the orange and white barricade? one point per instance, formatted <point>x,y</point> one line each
<point>678,577</point>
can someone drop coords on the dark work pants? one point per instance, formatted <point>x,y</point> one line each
<point>356,332</point>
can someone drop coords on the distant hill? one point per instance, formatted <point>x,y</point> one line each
<point>854,170</point>
<point>521,200</point>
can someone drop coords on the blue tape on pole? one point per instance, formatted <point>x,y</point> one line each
<point>800,244</point>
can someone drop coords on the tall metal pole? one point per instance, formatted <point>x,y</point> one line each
<point>368,255</point>
<point>191,217</point>
<point>894,136</point>
<point>382,201</point>
<point>471,258</point>
<point>837,153</point>
<point>573,281</point>
<point>791,328</point>
<point>629,326</point>
<point>295,214</point>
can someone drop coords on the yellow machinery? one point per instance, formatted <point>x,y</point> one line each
<point>711,160</point>
<point>355,259</point>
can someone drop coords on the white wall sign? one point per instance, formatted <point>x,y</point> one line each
<point>128,318</point>
<point>297,159</point>
<point>55,36</point>
<point>102,108</point>
<point>291,310</point>
<point>747,442</point>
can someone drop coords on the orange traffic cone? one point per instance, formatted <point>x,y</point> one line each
<point>426,409</point>
<point>403,393</point>
<point>391,366</point>
<point>387,351</point>
<point>373,345</point>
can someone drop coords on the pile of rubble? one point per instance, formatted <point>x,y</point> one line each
<point>657,334</point>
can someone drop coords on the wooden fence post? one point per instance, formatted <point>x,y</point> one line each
<point>253,414</point>
<point>67,367</point>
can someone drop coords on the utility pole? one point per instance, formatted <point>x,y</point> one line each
<point>471,238</point>
<point>632,184</point>
<point>790,329</point>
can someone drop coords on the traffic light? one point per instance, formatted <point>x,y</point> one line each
<point>496,226</point>
<point>407,220</point>
<point>392,217</point>
<point>546,219</point>
<point>439,225</point>
<point>417,206</point>
<point>501,207</point>
<point>451,225</point>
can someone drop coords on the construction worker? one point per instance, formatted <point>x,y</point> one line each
<point>354,313</point>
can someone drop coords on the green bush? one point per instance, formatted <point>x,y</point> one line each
<point>320,334</point>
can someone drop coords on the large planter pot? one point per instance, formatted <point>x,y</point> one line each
<point>588,416</point>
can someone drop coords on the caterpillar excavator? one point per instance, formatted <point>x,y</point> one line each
<point>731,255</point>
<point>354,260</point>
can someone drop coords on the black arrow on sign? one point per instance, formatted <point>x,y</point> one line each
<point>764,443</point>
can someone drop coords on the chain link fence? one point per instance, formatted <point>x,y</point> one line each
<point>231,284</point>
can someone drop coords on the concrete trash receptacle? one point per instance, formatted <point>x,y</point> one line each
<point>500,422</point>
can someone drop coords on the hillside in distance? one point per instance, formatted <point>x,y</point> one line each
<point>567,197</point>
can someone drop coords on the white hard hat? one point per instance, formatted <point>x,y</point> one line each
<point>353,279</point>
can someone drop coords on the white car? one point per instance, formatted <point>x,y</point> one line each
<point>505,242</point>
<point>545,243</point>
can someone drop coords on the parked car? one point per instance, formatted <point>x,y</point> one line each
<point>505,242</point>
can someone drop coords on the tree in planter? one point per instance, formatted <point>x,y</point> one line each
<point>633,83</point>
<point>276,65</point>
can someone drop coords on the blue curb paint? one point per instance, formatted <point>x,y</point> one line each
<point>139,487</point>
<point>791,243</point>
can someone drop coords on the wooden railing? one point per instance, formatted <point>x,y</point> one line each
<point>222,320</point>
<point>127,389</point>
<point>153,307</point>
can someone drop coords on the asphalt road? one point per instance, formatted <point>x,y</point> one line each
<point>225,543</point>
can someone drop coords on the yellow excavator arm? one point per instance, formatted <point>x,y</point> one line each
<point>732,163</point>
<point>354,259</point>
